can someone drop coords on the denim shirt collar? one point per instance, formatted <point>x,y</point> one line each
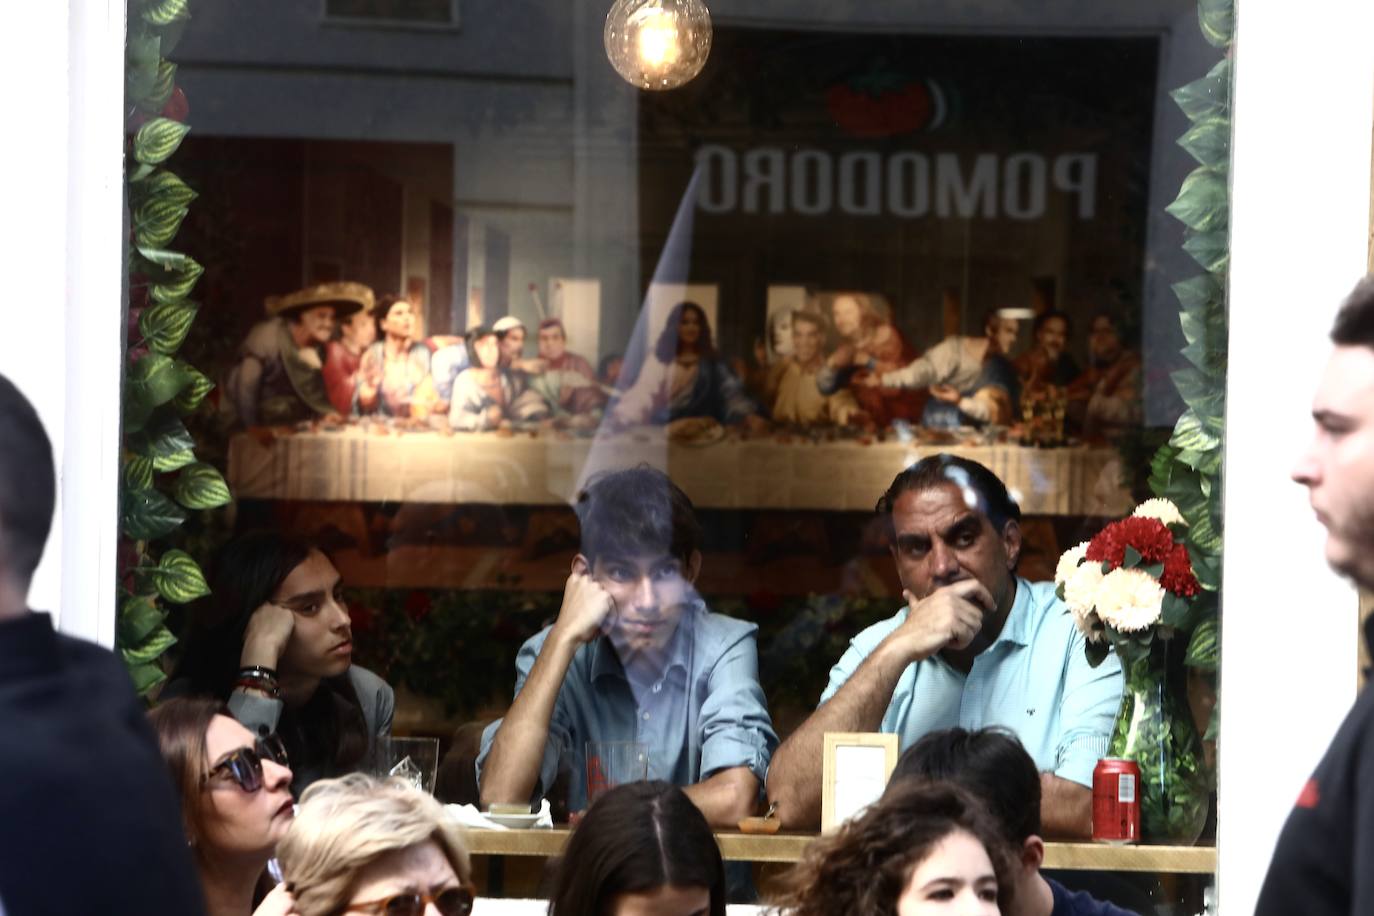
<point>605,661</point>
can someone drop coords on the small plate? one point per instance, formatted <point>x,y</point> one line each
<point>514,821</point>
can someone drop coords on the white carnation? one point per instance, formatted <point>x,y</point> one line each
<point>1068,563</point>
<point>1129,600</point>
<point>1162,509</point>
<point>1080,590</point>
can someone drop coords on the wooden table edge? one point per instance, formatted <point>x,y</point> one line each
<point>788,847</point>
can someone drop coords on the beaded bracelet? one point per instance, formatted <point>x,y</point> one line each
<point>260,684</point>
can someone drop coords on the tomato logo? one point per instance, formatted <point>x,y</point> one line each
<point>885,105</point>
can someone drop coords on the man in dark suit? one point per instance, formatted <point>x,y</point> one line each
<point>88,819</point>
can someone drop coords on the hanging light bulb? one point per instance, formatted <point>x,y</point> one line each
<point>658,44</point>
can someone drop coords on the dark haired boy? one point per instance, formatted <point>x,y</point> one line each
<point>976,645</point>
<point>635,656</point>
<point>993,766</point>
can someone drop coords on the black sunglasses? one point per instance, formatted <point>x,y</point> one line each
<point>244,766</point>
<point>455,901</point>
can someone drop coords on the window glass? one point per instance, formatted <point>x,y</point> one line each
<point>452,276</point>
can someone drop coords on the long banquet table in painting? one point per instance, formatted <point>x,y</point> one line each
<point>376,465</point>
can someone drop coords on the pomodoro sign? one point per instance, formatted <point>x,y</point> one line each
<point>910,185</point>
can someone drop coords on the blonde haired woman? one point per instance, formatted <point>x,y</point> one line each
<point>359,845</point>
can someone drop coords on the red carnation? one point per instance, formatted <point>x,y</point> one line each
<point>1150,538</point>
<point>1178,573</point>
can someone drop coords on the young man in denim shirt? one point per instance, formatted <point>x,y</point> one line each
<point>635,656</point>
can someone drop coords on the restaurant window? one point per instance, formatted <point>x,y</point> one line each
<point>841,247</point>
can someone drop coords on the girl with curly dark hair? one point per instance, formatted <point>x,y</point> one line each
<point>925,848</point>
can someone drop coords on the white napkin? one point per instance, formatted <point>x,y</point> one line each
<point>469,816</point>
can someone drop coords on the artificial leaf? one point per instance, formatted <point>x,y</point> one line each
<point>1217,19</point>
<point>1204,647</point>
<point>165,437</point>
<point>166,186</point>
<point>148,651</point>
<point>156,222</point>
<point>164,326</point>
<point>158,139</point>
<point>195,391</point>
<point>1206,567</point>
<point>200,486</point>
<point>1154,570</point>
<point>138,617</point>
<point>1211,250</point>
<point>178,285</point>
<point>146,677</point>
<point>1208,96</point>
<point>1203,203</point>
<point>141,58</point>
<point>1173,611</point>
<point>147,514</point>
<point>154,380</point>
<point>169,261</point>
<point>1132,558</point>
<point>178,578</point>
<point>175,461</point>
<point>1189,434</point>
<point>162,87</point>
<point>1096,652</point>
<point>137,472</point>
<point>1197,293</point>
<point>1209,142</point>
<point>1203,534</point>
<point>165,12</point>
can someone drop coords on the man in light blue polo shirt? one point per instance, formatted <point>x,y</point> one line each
<point>976,646</point>
<point>635,656</point>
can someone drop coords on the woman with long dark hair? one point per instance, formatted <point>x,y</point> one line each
<point>686,378</point>
<point>642,848</point>
<point>236,803</point>
<point>925,848</point>
<point>274,642</point>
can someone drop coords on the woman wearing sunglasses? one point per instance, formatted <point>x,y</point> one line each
<point>235,801</point>
<point>274,642</point>
<point>360,845</point>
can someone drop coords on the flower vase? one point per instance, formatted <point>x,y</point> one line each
<point>1154,727</point>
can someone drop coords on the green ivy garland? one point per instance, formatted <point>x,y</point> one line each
<point>1187,470</point>
<point>161,477</point>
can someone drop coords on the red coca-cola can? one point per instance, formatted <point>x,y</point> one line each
<point>1116,801</point>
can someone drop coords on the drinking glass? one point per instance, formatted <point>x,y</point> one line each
<point>416,760</point>
<point>614,763</point>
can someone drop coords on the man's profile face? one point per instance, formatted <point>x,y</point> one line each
<point>651,592</point>
<point>1002,332</point>
<point>806,340</point>
<point>1052,337</point>
<point>1338,467</point>
<point>318,322</point>
<point>941,537</point>
<point>512,344</point>
<point>552,343</point>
